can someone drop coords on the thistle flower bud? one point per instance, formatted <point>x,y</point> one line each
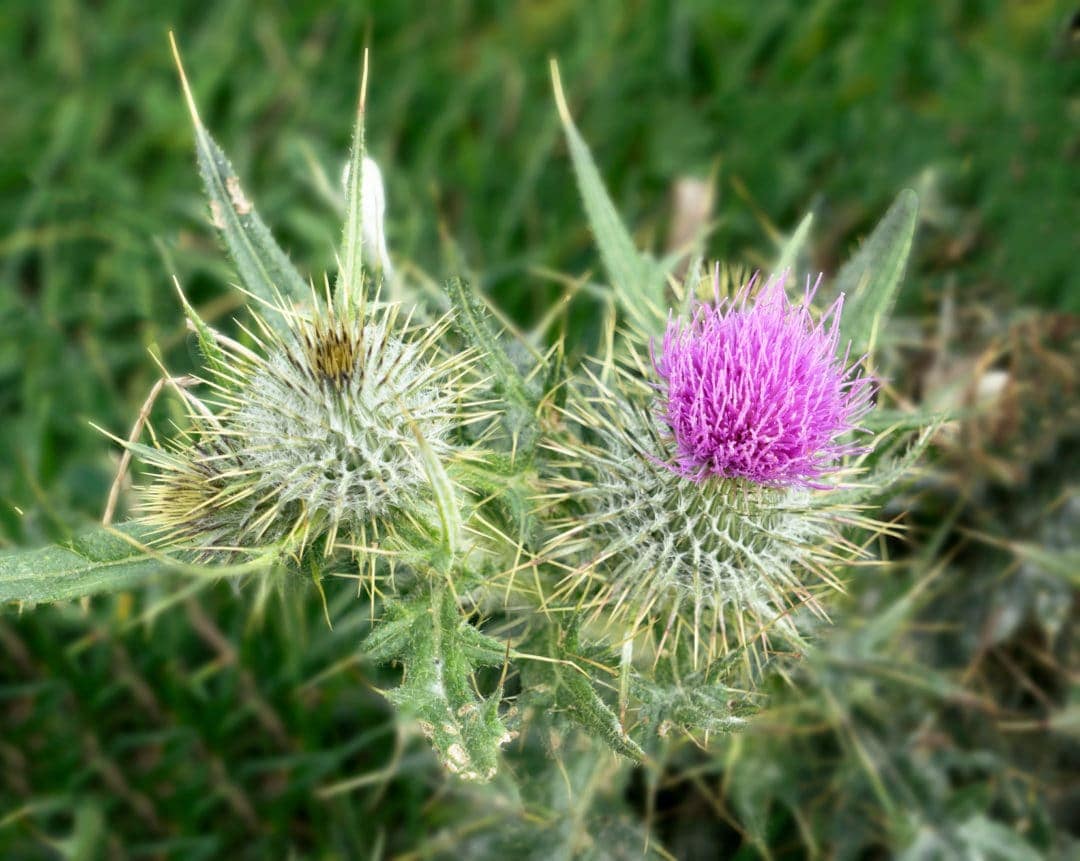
<point>314,435</point>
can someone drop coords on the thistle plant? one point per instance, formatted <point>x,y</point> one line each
<point>546,547</point>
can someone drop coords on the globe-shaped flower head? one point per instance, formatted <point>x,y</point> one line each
<point>321,433</point>
<point>708,481</point>
<point>755,389</point>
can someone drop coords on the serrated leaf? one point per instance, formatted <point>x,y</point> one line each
<point>578,696</point>
<point>637,281</point>
<point>439,651</point>
<point>264,268</point>
<point>560,686</point>
<point>694,703</point>
<point>480,649</point>
<point>103,560</point>
<point>871,279</point>
<point>389,638</point>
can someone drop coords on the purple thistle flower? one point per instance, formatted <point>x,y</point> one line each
<point>756,390</point>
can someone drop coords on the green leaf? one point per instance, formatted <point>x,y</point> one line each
<point>472,322</point>
<point>509,491</point>
<point>895,420</point>
<point>208,346</point>
<point>792,248</point>
<point>350,279</point>
<point>562,687</point>
<point>578,696</point>
<point>266,271</point>
<point>696,702</point>
<point>871,279</point>
<point>637,281</point>
<point>884,473</point>
<point>107,559</point>
<point>439,651</point>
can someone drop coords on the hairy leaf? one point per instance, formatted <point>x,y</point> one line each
<point>439,651</point>
<point>637,281</point>
<point>350,276</point>
<point>264,268</point>
<point>472,322</point>
<point>106,559</point>
<point>871,279</point>
<point>560,686</point>
<point>696,702</point>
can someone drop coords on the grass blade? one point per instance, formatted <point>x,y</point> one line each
<point>793,247</point>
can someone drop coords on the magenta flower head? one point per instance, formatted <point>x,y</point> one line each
<point>755,389</point>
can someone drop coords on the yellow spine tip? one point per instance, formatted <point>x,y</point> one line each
<point>188,97</point>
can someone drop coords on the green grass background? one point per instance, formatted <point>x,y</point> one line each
<point>179,738</point>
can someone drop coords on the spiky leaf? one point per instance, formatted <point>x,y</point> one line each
<point>637,281</point>
<point>472,322</point>
<point>871,279</point>
<point>562,687</point>
<point>439,651</point>
<point>696,702</point>
<point>264,268</point>
<point>584,704</point>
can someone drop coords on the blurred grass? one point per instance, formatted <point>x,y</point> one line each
<point>827,105</point>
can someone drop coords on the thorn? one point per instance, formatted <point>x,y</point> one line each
<point>560,97</point>
<point>188,97</point>
<point>362,107</point>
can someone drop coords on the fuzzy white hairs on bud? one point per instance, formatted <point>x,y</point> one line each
<point>316,436</point>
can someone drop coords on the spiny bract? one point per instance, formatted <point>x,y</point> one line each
<point>667,543</point>
<point>318,434</point>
